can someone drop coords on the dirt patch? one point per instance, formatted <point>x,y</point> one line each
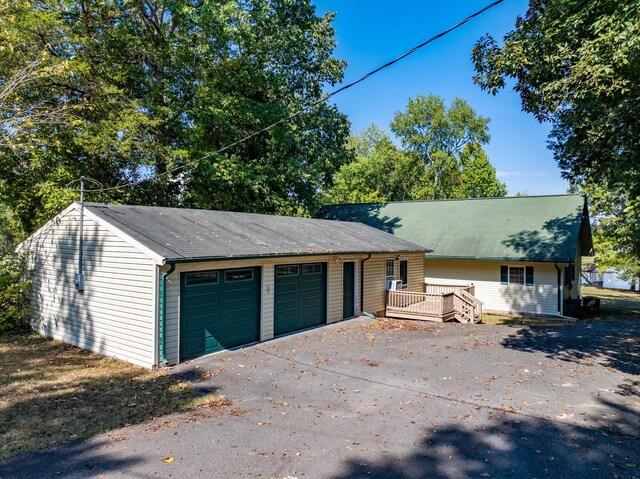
<point>51,393</point>
<point>402,325</point>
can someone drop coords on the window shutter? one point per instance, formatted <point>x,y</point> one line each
<point>504,274</point>
<point>529,276</point>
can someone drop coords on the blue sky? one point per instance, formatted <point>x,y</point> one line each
<point>372,32</point>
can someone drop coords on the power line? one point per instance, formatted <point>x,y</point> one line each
<point>309,106</point>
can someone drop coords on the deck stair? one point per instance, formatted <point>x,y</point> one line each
<point>437,303</point>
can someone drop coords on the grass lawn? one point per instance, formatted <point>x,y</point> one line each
<point>51,393</point>
<point>614,304</point>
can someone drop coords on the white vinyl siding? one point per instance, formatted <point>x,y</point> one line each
<point>541,298</point>
<point>114,315</point>
<point>375,278</point>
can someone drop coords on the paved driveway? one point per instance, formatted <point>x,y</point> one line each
<point>349,401</point>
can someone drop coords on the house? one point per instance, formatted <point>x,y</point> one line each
<point>521,254</point>
<point>163,285</point>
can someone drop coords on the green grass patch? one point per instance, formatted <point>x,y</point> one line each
<point>52,393</point>
<point>614,303</point>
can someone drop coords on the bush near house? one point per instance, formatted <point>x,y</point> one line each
<point>14,305</point>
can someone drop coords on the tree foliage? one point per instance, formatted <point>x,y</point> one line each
<point>576,64</point>
<point>127,90</point>
<point>440,138</point>
<point>384,172</point>
<point>616,231</point>
<point>380,172</point>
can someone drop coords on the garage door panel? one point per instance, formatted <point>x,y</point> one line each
<point>209,321</point>
<point>300,297</point>
<point>287,287</point>
<point>203,299</point>
<point>221,314</point>
<point>287,306</point>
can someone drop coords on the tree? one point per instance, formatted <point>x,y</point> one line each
<point>576,64</point>
<point>144,90</point>
<point>381,172</point>
<point>438,136</point>
<point>616,232</point>
<point>477,178</point>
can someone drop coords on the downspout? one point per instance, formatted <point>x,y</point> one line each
<point>560,286</point>
<point>364,313</point>
<point>163,312</point>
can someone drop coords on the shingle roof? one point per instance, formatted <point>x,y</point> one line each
<point>180,233</point>
<point>533,228</point>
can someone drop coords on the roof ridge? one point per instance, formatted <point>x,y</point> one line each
<point>459,199</point>
<point>179,208</point>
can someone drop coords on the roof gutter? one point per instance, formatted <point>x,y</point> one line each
<point>286,255</point>
<point>362,288</point>
<point>503,259</point>
<point>163,311</point>
<point>559,295</point>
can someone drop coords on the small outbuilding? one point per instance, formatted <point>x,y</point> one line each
<point>518,254</point>
<point>154,286</point>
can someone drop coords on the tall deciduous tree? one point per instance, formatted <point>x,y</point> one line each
<point>576,64</point>
<point>438,135</point>
<point>383,172</point>
<point>135,89</point>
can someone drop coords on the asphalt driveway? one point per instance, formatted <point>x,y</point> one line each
<point>351,401</point>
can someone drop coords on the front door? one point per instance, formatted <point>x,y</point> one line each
<point>348,289</point>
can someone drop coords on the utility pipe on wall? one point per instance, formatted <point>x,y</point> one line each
<point>362,288</point>
<point>163,312</point>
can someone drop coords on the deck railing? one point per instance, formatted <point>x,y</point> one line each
<point>415,303</point>
<point>448,303</point>
<point>448,288</point>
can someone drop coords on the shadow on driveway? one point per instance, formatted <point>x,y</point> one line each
<point>510,447</point>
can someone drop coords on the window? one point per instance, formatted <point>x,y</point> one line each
<point>201,277</point>
<point>238,275</point>
<point>312,268</point>
<point>516,275</point>
<point>390,269</point>
<point>292,270</point>
<point>404,273</point>
<point>390,273</point>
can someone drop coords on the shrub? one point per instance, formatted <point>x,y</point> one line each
<point>14,304</point>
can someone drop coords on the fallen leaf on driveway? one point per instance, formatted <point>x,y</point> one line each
<point>168,459</point>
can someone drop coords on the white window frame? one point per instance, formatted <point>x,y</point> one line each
<point>389,278</point>
<point>524,275</point>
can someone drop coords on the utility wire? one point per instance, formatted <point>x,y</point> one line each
<point>310,105</point>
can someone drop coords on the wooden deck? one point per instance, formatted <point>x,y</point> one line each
<point>439,303</point>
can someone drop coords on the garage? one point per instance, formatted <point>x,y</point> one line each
<point>219,309</point>
<point>300,297</point>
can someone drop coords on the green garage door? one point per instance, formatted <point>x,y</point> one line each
<point>219,309</point>
<point>300,297</point>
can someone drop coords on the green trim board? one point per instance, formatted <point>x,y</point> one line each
<point>527,228</point>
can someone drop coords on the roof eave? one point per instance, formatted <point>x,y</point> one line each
<point>203,259</point>
<point>503,258</point>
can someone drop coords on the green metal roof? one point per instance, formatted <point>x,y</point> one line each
<point>526,228</point>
